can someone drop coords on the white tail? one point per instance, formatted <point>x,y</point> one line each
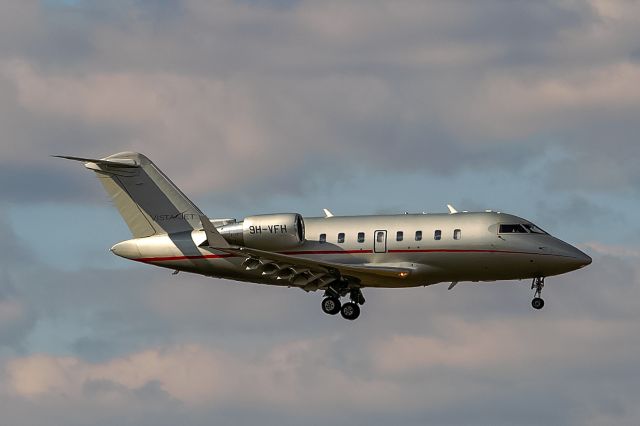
<point>146,198</point>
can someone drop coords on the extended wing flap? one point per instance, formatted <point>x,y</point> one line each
<point>360,271</point>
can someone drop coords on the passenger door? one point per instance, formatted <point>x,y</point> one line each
<point>380,241</point>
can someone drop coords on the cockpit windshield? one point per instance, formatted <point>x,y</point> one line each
<point>512,229</point>
<point>533,229</point>
<point>519,228</point>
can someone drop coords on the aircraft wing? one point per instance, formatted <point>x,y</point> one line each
<point>312,274</point>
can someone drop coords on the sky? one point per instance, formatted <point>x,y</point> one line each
<point>361,107</point>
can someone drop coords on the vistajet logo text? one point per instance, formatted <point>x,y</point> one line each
<point>177,216</point>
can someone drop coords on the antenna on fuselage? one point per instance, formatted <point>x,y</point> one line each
<point>327,213</point>
<point>451,209</point>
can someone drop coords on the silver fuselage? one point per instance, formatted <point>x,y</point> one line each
<point>480,252</point>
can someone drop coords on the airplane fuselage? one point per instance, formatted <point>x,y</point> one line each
<point>436,247</point>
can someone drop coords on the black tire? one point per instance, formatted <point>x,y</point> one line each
<point>350,311</point>
<point>537,303</point>
<point>331,305</point>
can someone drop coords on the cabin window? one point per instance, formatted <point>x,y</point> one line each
<point>380,237</point>
<point>323,238</point>
<point>437,235</point>
<point>512,229</point>
<point>457,234</point>
<point>341,237</point>
<point>399,236</point>
<point>361,237</point>
<point>418,235</point>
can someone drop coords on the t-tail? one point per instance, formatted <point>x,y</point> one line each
<point>146,198</point>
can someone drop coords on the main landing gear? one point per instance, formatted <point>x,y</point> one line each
<point>537,285</point>
<point>331,303</point>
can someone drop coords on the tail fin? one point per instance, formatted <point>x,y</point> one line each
<point>147,200</point>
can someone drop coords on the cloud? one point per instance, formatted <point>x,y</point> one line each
<point>188,374</point>
<point>377,374</point>
<point>16,321</point>
<point>17,317</point>
<point>575,211</point>
<point>195,375</point>
<point>472,347</point>
<point>613,250</point>
<point>293,95</point>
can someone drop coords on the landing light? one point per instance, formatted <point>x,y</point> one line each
<point>403,274</point>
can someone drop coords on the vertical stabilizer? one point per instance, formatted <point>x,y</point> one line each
<point>146,198</point>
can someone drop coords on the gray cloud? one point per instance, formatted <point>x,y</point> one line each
<point>578,212</point>
<point>17,317</point>
<point>292,94</point>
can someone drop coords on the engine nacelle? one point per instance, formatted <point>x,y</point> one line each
<point>266,232</point>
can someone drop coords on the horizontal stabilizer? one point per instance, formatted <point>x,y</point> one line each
<point>120,162</point>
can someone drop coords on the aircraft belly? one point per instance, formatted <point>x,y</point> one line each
<point>430,269</point>
<point>427,269</point>
<point>486,266</point>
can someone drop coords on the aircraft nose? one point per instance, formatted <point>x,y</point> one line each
<point>578,258</point>
<point>584,260</point>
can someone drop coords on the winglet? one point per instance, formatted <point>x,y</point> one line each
<point>327,213</point>
<point>451,209</point>
<point>214,239</point>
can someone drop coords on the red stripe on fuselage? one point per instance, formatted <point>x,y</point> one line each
<point>166,259</point>
<point>327,252</point>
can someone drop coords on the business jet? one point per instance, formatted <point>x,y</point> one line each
<point>336,255</point>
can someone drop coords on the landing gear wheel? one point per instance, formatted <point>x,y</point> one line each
<point>537,303</point>
<point>537,285</point>
<point>350,311</point>
<point>331,305</point>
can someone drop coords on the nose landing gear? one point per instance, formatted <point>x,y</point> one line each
<point>537,285</point>
<point>331,303</point>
